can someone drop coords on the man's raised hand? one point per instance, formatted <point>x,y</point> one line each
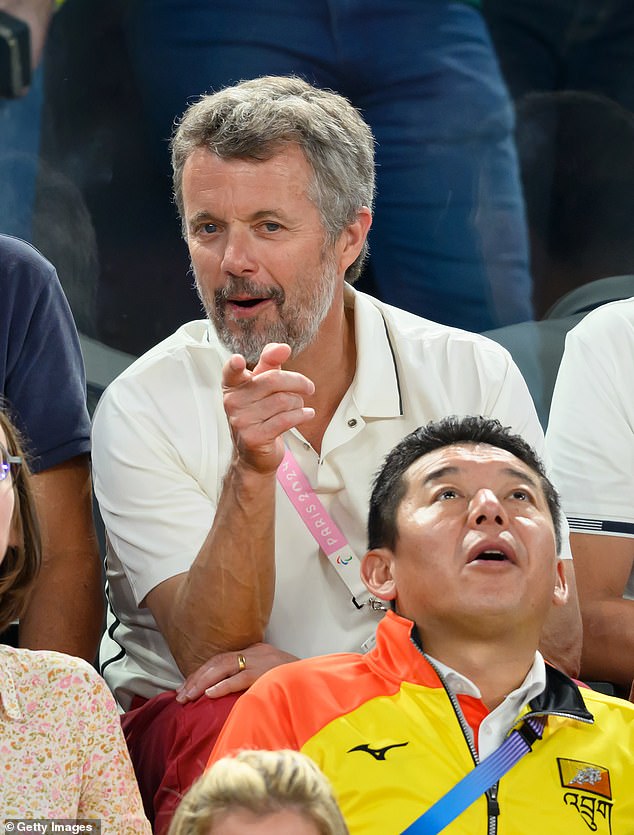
<point>264,403</point>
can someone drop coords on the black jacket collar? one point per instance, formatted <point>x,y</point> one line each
<point>561,696</point>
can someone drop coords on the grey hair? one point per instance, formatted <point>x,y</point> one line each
<point>255,119</point>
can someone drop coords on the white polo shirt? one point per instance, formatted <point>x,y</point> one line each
<point>591,426</point>
<point>161,446</point>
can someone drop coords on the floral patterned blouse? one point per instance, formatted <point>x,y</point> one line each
<point>62,752</point>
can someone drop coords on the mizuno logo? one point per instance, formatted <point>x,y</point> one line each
<point>377,753</point>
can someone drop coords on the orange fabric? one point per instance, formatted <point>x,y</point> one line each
<point>347,681</point>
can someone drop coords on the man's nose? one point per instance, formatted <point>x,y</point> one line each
<point>237,257</point>
<point>486,507</point>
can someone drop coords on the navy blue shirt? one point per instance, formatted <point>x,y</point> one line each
<point>42,373</point>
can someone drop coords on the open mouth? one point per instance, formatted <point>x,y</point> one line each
<point>496,556</point>
<point>491,555</point>
<point>245,306</point>
<point>246,302</point>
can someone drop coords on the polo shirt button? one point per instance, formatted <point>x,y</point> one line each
<point>352,422</point>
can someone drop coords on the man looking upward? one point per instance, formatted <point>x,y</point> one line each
<point>464,540</point>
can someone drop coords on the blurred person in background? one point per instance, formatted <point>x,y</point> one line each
<point>591,441</point>
<point>449,239</point>
<point>43,383</point>
<point>576,152</point>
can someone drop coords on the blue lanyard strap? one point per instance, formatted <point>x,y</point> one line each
<point>477,781</point>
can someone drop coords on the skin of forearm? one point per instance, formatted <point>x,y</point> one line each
<point>224,602</point>
<point>562,649</point>
<point>608,646</point>
<point>562,635</point>
<point>65,608</point>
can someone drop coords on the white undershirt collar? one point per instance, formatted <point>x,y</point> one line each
<point>496,725</point>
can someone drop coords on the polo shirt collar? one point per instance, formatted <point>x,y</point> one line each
<point>375,387</point>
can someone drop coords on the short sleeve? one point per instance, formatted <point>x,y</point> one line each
<point>43,377</point>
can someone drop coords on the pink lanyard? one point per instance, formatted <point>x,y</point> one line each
<point>324,531</point>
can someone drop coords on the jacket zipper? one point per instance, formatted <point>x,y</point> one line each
<point>493,808</point>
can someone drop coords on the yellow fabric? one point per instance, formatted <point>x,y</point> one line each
<point>390,706</point>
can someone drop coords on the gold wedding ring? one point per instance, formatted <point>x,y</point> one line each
<point>242,662</point>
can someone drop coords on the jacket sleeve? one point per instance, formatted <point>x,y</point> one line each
<point>262,718</point>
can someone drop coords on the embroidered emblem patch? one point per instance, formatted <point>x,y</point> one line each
<point>587,783</point>
<point>586,776</point>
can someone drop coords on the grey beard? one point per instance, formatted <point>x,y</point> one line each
<point>296,326</point>
<point>250,342</point>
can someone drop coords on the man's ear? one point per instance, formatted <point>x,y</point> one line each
<point>376,573</point>
<point>560,593</point>
<point>351,240</point>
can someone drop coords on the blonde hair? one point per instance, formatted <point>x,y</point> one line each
<point>261,782</point>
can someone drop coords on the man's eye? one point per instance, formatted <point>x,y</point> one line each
<point>521,495</point>
<point>271,226</point>
<point>209,228</point>
<point>447,494</point>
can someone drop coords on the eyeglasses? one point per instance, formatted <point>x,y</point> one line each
<point>8,463</point>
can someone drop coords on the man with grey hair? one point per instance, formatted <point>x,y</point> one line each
<point>233,462</point>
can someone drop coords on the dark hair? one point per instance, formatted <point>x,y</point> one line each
<point>21,563</point>
<point>390,485</point>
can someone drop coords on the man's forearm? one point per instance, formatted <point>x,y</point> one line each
<point>65,609</point>
<point>608,647</point>
<point>224,601</point>
<point>562,634</point>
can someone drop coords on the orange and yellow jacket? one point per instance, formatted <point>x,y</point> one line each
<point>392,741</point>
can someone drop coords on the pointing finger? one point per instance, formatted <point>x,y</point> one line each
<point>235,371</point>
<point>273,356</point>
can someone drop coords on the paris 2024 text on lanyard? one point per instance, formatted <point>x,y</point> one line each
<point>326,534</point>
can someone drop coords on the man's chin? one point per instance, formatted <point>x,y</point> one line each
<point>251,345</point>
<point>250,353</point>
<point>250,349</point>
